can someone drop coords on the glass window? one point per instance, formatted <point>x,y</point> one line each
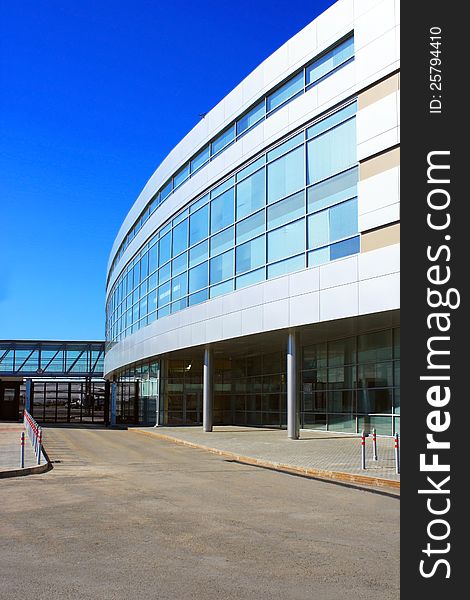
<point>179,286</point>
<point>251,227</point>
<point>143,306</point>
<point>282,94</point>
<point>331,152</point>
<point>164,294</point>
<point>286,210</point>
<point>165,249</point>
<point>164,273</point>
<point>180,237</point>
<point>345,248</point>
<point>180,217</point>
<point>251,255</point>
<point>197,205</point>
<point>222,211</point>
<point>287,240</point>
<point>295,263</point>
<point>153,258</point>
<point>221,267</point>
<point>152,300</point>
<point>319,257</point>
<point>250,278</point>
<point>222,241</point>
<point>221,288</point>
<point>201,158</point>
<point>251,194</point>
<point>375,375</point>
<point>199,225</point>
<point>225,185</point>
<point>330,61</point>
<point>198,277</point>
<point>286,175</point>
<point>286,146</point>
<point>332,191</point>
<point>166,190</point>
<point>179,305</point>
<point>163,312</point>
<point>335,119</point>
<point>144,266</point>
<point>374,347</point>
<point>251,168</point>
<point>152,281</point>
<point>342,352</point>
<point>181,175</point>
<point>198,297</point>
<point>179,264</point>
<point>343,220</point>
<point>223,139</point>
<point>252,117</point>
<point>318,229</point>
<point>198,253</point>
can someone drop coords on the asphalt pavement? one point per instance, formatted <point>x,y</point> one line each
<point>123,516</point>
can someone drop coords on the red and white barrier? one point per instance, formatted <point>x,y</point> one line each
<point>35,435</point>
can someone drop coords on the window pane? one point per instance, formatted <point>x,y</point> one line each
<point>251,255</point>
<point>329,122</point>
<point>180,237</point>
<point>343,220</point>
<point>285,92</point>
<point>181,175</point>
<point>251,227</point>
<point>152,300</point>
<point>287,240</point>
<point>221,267</point>
<point>198,277</point>
<point>200,159</point>
<point>222,211</point>
<point>166,190</point>
<point>222,241</point>
<point>179,264</point>
<point>164,294</point>
<point>254,166</point>
<point>286,146</point>
<point>318,229</point>
<point>286,210</point>
<point>375,375</point>
<point>223,139</point>
<point>198,253</point>
<point>164,273</point>
<point>330,61</point>
<point>221,288</point>
<point>225,185</point>
<point>255,114</point>
<point>199,225</point>
<point>286,175</point>
<point>153,258</point>
<point>286,266</point>
<point>319,257</point>
<point>251,278</point>
<point>374,347</point>
<point>333,190</point>
<point>165,249</point>
<point>179,286</point>
<point>331,152</point>
<point>251,194</point>
<point>198,297</point>
<point>345,248</point>
<point>342,352</point>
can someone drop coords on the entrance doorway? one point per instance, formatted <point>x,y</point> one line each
<point>9,400</point>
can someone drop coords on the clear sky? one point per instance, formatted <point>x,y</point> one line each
<point>94,94</point>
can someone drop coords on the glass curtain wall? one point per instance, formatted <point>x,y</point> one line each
<point>292,208</point>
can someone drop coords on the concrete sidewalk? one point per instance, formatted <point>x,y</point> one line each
<point>10,434</point>
<point>317,454</point>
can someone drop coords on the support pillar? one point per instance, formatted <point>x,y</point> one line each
<point>292,395</point>
<point>27,398</point>
<point>207,390</point>
<point>113,403</point>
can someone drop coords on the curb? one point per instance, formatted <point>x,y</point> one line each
<point>285,468</point>
<point>47,466</point>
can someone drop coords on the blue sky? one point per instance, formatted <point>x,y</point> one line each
<point>94,95</point>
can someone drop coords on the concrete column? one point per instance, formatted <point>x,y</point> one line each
<point>113,402</point>
<point>292,395</point>
<point>207,390</point>
<point>27,399</point>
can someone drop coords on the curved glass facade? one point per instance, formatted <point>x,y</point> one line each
<point>311,74</point>
<point>294,206</point>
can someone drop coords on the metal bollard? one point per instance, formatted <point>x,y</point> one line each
<point>374,445</point>
<point>397,455</point>
<point>363,451</point>
<point>39,445</point>
<point>22,450</point>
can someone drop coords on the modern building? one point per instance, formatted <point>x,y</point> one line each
<point>255,280</point>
